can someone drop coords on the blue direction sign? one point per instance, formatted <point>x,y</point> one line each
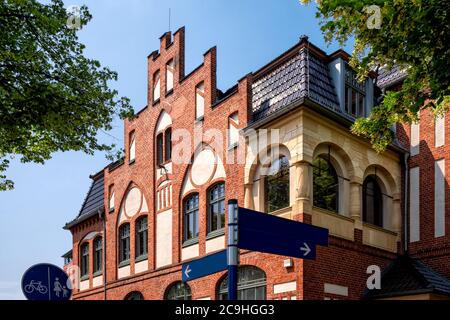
<point>267,233</point>
<point>46,282</point>
<point>202,267</point>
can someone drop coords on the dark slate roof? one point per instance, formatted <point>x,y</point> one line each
<point>390,76</point>
<point>68,254</point>
<point>406,276</point>
<point>302,76</point>
<point>93,201</point>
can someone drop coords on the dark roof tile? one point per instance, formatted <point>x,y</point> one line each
<point>302,76</point>
<point>93,201</point>
<point>390,76</point>
<point>406,276</point>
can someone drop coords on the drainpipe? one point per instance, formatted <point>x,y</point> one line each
<point>103,218</point>
<point>405,197</point>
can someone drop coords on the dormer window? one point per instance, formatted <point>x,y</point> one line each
<point>355,94</point>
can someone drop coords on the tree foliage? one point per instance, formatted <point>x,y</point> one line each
<point>52,98</point>
<point>414,35</point>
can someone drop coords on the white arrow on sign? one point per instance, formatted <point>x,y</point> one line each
<point>187,271</point>
<point>305,249</point>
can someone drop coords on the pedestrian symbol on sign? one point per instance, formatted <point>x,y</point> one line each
<point>46,282</point>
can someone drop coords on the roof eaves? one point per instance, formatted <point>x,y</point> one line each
<point>67,254</point>
<point>84,217</point>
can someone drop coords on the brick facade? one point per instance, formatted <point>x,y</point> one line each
<point>343,263</point>
<point>434,251</point>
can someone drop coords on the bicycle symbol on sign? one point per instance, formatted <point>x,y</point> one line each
<point>35,285</point>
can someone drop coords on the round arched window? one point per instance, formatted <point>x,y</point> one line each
<point>277,185</point>
<point>179,291</point>
<point>325,185</point>
<point>135,295</point>
<point>251,284</point>
<point>372,202</point>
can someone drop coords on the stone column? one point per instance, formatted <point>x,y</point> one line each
<point>248,196</point>
<point>303,173</point>
<point>355,200</point>
<point>396,216</point>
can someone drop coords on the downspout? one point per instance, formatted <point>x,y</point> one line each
<point>103,217</point>
<point>405,197</point>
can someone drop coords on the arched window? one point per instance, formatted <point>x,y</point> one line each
<point>277,185</point>
<point>216,207</point>
<point>84,249</point>
<point>191,217</point>
<point>141,237</point>
<point>98,249</point>
<point>372,202</point>
<point>124,242</point>
<point>179,291</point>
<point>325,185</point>
<point>159,149</point>
<point>168,144</point>
<point>135,295</point>
<point>251,284</point>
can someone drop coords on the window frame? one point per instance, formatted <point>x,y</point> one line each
<point>211,202</point>
<point>160,149</point>
<point>141,231</point>
<point>84,259</point>
<point>167,144</point>
<point>243,286</point>
<point>286,172</point>
<point>98,255</point>
<point>195,210</point>
<point>352,86</point>
<point>134,294</point>
<point>336,177</point>
<point>124,256</point>
<point>187,292</point>
<point>377,200</point>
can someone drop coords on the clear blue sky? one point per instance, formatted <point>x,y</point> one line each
<point>248,34</point>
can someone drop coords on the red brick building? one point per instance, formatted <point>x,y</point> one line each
<point>278,142</point>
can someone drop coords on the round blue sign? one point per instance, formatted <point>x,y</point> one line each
<point>45,281</point>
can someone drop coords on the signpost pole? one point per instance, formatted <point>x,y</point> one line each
<point>232,249</point>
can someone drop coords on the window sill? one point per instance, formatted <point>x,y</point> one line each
<point>169,93</point>
<point>333,213</point>
<point>215,234</point>
<point>124,263</point>
<point>85,277</point>
<point>155,102</point>
<point>199,119</point>
<point>111,210</point>
<point>190,242</point>
<point>375,227</point>
<point>233,146</point>
<point>163,164</point>
<point>97,273</point>
<point>141,258</point>
<point>281,211</point>
<point>131,162</point>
